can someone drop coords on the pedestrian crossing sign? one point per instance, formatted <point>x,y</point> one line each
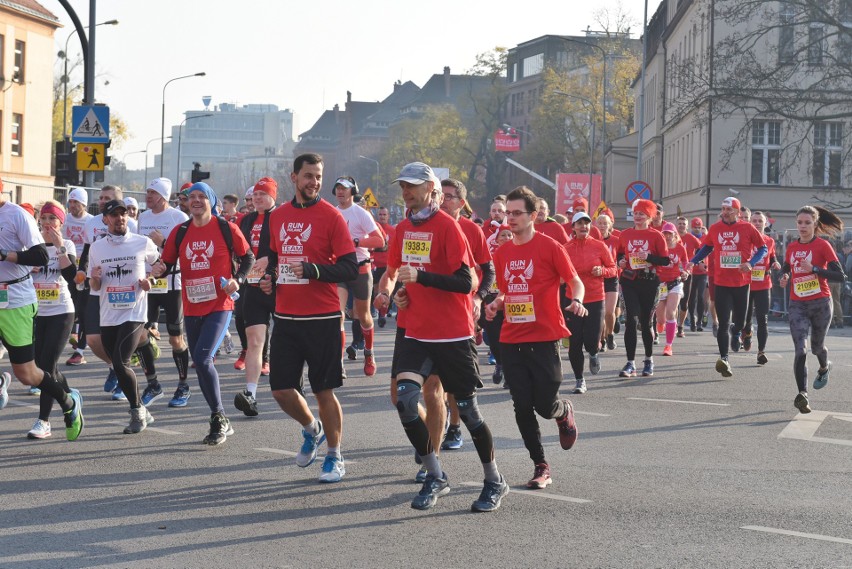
<point>90,157</point>
<point>90,124</point>
<point>370,199</point>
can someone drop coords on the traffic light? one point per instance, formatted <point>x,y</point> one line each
<point>197,174</point>
<point>66,164</point>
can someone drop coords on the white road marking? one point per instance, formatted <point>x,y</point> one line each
<point>19,404</point>
<point>803,427</point>
<point>799,534</point>
<point>290,453</point>
<point>680,401</point>
<point>591,414</point>
<point>536,493</point>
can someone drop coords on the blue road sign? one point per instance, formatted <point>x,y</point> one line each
<point>90,124</point>
<point>638,190</point>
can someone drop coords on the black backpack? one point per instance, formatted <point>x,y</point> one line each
<point>224,227</point>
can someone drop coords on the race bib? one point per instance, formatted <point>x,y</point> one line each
<point>200,290</point>
<point>159,286</point>
<point>758,274</point>
<point>416,247</point>
<point>4,295</point>
<point>730,260</point>
<point>638,263</point>
<point>255,274</point>
<point>47,293</point>
<point>285,273</point>
<point>806,286</point>
<point>664,290</point>
<point>121,297</point>
<point>519,309</point>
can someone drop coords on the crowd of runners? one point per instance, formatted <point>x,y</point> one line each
<point>290,275</point>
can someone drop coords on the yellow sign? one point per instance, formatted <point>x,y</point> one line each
<point>90,157</point>
<point>602,207</point>
<point>370,199</point>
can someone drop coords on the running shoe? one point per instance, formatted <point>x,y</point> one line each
<point>616,327</point>
<point>667,351</point>
<point>541,477</point>
<point>568,432</point>
<point>244,401</point>
<point>40,430</point>
<point>661,327</point>
<point>111,381</point>
<point>3,351</point>
<point>151,394</point>
<point>33,390</point>
<point>478,337</point>
<point>452,439</point>
<point>692,327</point>
<point>680,333</point>
<point>181,396</point>
<point>118,394</point>
<point>602,347</point>
<point>73,340</point>
<point>610,342</point>
<point>139,420</point>
<point>656,339</point>
<point>580,386</point>
<point>594,364</point>
<point>369,364</point>
<point>566,343</point>
<point>264,369</point>
<point>74,417</point>
<point>629,370</point>
<point>735,343</point>
<point>382,321</point>
<point>490,497</point>
<point>746,342</point>
<point>135,359</point>
<point>723,366</point>
<point>699,328</point>
<point>76,359</point>
<point>220,428</point>
<point>228,344</point>
<point>715,329</point>
<point>497,376</point>
<point>648,368</point>
<point>240,364</point>
<point>802,404</point>
<point>491,359</point>
<point>421,475</point>
<point>5,381</point>
<point>333,470</point>
<point>822,377</point>
<point>433,488</point>
<point>762,359</point>
<point>351,352</point>
<point>308,453</point>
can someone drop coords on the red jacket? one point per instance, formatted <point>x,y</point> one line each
<point>586,253</point>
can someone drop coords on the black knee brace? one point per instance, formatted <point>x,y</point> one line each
<point>407,400</point>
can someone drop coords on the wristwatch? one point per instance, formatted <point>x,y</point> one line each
<point>62,250</point>
<point>356,240</point>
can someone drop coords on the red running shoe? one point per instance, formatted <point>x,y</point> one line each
<point>541,477</point>
<point>567,428</point>
<point>369,364</point>
<point>240,364</point>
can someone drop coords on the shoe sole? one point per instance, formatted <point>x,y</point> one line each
<point>340,476</point>
<point>351,353</point>
<point>803,405</point>
<point>452,446</point>
<point>76,363</point>
<point>539,485</point>
<point>723,369</point>
<point>491,508</point>
<point>39,437</point>
<point>627,374</point>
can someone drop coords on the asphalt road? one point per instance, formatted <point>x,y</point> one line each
<point>683,469</point>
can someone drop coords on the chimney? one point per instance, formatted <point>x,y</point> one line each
<point>397,85</point>
<point>336,113</point>
<point>447,81</point>
<point>348,97</point>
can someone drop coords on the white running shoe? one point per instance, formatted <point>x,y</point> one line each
<point>40,430</point>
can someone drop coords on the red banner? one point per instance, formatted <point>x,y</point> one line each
<point>507,141</point>
<point>569,187</point>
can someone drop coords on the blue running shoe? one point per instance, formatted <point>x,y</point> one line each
<point>491,359</point>
<point>433,488</point>
<point>308,453</point>
<point>491,496</point>
<point>74,417</point>
<point>452,439</point>
<point>111,381</point>
<point>181,397</point>
<point>648,368</point>
<point>5,381</point>
<point>628,370</point>
<point>333,469</point>
<point>118,394</point>
<point>34,390</point>
<point>150,395</point>
<point>822,377</point>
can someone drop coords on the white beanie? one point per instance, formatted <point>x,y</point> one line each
<point>80,195</point>
<point>162,186</point>
<point>249,192</point>
<point>131,201</point>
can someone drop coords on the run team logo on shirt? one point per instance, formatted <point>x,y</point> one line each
<point>75,234</point>
<point>517,275</point>
<point>198,253</point>
<point>635,246</point>
<point>729,254</point>
<point>293,236</point>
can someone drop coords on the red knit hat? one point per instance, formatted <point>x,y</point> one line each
<point>647,207</point>
<point>268,186</point>
<point>580,203</point>
<point>697,222</point>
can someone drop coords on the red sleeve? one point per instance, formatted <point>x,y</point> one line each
<point>563,264</point>
<point>756,237</point>
<point>498,269</point>
<point>170,254</point>
<point>660,243</point>
<point>241,246</point>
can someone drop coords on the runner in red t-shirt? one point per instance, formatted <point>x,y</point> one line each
<point>310,251</point>
<point>546,225</point>
<point>758,296</point>
<point>671,285</point>
<point>529,271</point>
<point>691,287</point>
<point>810,262</point>
<point>610,238</point>
<point>736,247</point>
<point>429,255</point>
<point>380,256</point>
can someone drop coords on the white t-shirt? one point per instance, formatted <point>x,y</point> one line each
<point>122,259</point>
<point>361,224</point>
<point>51,287</point>
<point>95,229</point>
<point>75,230</point>
<point>164,222</point>
<point>18,232</point>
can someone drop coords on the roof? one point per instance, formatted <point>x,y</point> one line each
<point>326,127</point>
<point>31,8</point>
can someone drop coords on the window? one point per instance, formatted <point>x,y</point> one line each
<point>816,43</point>
<point>533,65</point>
<point>786,40</point>
<point>765,152</point>
<point>2,56</point>
<point>828,144</point>
<point>19,62</point>
<point>17,134</point>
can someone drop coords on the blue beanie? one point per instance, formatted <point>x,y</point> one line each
<point>208,191</point>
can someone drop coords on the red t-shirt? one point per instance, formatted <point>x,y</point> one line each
<point>235,219</point>
<point>634,240</point>
<point>692,244</point>
<point>315,234</point>
<point>761,279</point>
<point>204,259</point>
<point>611,243</point>
<point>553,230</point>
<point>805,285</point>
<point>476,239</point>
<point>380,258</point>
<point>677,258</point>
<point>529,275</point>
<point>585,254</point>
<point>732,245</point>
<point>436,246</point>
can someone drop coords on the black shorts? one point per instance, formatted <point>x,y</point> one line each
<point>361,286</point>
<point>93,315</point>
<point>611,284</point>
<point>258,307</point>
<point>297,342</point>
<point>454,362</point>
<point>172,305</point>
<point>397,343</point>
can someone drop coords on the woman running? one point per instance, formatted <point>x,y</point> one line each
<point>609,237</point>
<point>809,264</point>
<point>671,285</point>
<point>758,296</point>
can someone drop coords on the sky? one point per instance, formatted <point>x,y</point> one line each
<point>302,56</point>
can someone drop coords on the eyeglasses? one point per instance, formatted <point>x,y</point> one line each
<point>517,213</point>
<point>451,197</point>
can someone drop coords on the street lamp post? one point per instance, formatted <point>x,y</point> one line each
<point>163,116</point>
<point>592,145</point>
<point>65,78</point>
<point>146,156</point>
<point>180,135</point>
<point>376,162</point>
